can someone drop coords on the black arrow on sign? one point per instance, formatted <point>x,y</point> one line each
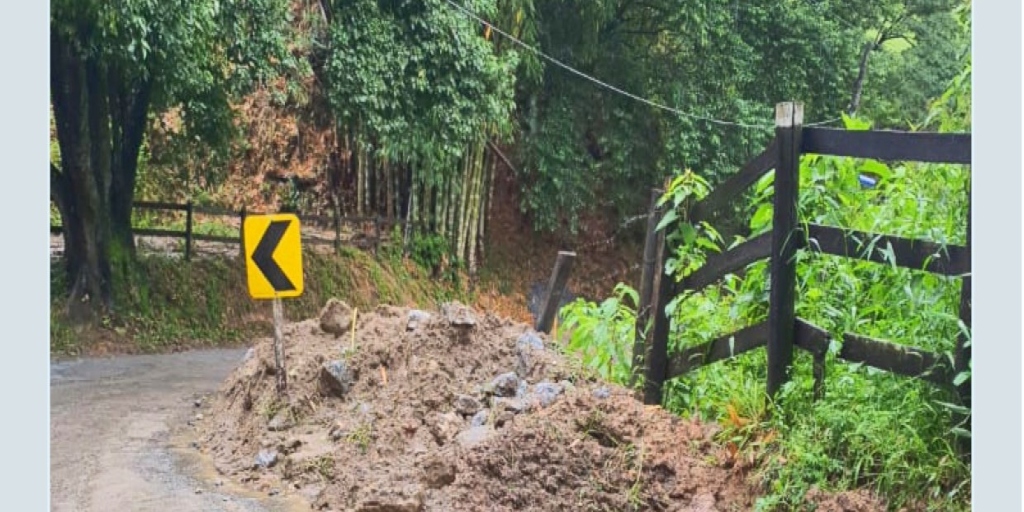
<point>263,256</point>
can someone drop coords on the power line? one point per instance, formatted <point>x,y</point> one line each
<point>610,87</point>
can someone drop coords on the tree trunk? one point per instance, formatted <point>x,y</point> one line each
<point>858,84</point>
<point>100,118</point>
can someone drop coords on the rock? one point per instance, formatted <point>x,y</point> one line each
<point>513,405</point>
<point>281,421</point>
<point>530,339</point>
<point>444,427</point>
<point>522,389</point>
<point>526,345</point>
<point>438,472</point>
<point>505,385</point>
<point>546,392</point>
<point>602,393</point>
<point>569,387</point>
<point>480,418</point>
<point>199,491</point>
<point>458,315</point>
<point>466,405</point>
<point>249,354</point>
<point>266,458</point>
<point>336,317</point>
<point>335,378</point>
<point>474,436</point>
<point>416,319</point>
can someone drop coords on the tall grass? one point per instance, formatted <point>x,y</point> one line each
<point>874,430</point>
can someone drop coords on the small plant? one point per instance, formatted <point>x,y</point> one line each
<point>429,251</point>
<point>324,466</point>
<point>361,437</point>
<point>603,334</point>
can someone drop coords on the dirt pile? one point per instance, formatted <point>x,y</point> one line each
<point>405,410</point>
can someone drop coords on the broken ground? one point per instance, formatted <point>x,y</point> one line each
<point>404,410</point>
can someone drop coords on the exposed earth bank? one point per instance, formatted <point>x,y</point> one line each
<point>405,410</point>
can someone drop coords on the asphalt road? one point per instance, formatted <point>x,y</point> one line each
<point>120,440</point>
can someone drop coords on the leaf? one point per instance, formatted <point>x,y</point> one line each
<point>761,217</point>
<point>689,233</point>
<point>670,217</point>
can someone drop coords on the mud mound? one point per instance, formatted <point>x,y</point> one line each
<point>453,411</point>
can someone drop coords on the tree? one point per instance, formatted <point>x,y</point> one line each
<point>112,64</point>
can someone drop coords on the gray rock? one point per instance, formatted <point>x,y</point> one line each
<point>505,384</point>
<point>530,339</point>
<point>466,405</point>
<point>336,317</point>
<point>335,378</point>
<point>480,418</point>
<point>602,393</point>
<point>522,389</point>
<point>458,315</point>
<point>416,319</point>
<point>527,343</point>
<point>569,387</point>
<point>546,392</point>
<point>266,458</point>
<point>474,436</point>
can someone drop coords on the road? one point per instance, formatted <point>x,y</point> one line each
<point>120,440</point>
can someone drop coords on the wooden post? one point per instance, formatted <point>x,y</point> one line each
<point>188,230</point>
<point>282,375</point>
<point>962,354</point>
<point>337,228</point>
<point>646,286</point>
<point>656,357</point>
<point>376,235</point>
<point>782,296</point>
<point>559,276</point>
<point>241,233</point>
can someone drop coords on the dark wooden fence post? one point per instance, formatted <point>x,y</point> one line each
<point>188,230</point>
<point>559,276</point>
<point>376,235</point>
<point>646,286</point>
<point>337,228</point>
<point>656,353</point>
<point>241,232</point>
<point>782,297</point>
<point>962,355</point>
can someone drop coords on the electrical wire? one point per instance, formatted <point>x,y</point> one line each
<point>612,88</point>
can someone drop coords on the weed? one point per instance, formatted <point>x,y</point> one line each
<point>361,437</point>
<point>872,429</point>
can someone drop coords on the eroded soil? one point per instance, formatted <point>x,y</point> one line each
<point>405,410</point>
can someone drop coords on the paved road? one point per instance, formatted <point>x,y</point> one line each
<point>119,438</point>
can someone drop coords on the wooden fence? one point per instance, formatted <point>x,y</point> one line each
<point>783,330</point>
<point>371,240</point>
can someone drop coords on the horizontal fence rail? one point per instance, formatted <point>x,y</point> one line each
<point>371,240</point>
<point>783,330</point>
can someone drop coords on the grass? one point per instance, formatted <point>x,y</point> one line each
<point>891,435</point>
<point>167,304</point>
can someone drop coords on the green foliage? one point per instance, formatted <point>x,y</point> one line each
<point>428,251</point>
<point>415,80</point>
<point>872,429</point>
<point>602,334</point>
